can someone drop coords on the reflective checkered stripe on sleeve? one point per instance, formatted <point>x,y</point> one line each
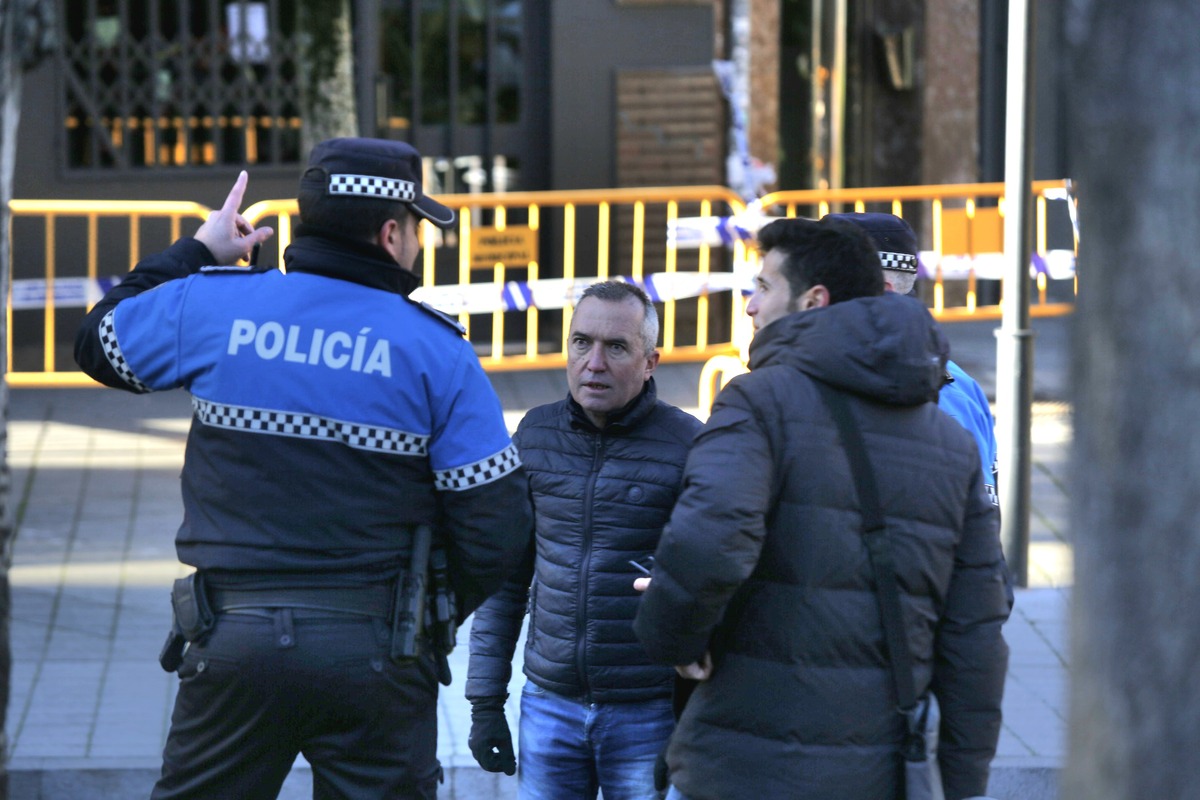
<point>310,426</point>
<point>112,351</point>
<point>486,470</point>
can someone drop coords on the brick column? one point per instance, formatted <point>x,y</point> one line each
<point>763,113</point>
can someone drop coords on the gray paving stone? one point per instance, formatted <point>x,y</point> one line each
<point>94,558</point>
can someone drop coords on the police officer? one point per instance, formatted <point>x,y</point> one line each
<point>961,397</point>
<point>333,418</point>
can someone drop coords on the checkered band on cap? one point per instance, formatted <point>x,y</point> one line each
<point>371,186</point>
<point>485,470</point>
<point>900,262</point>
<point>112,351</point>
<point>310,426</point>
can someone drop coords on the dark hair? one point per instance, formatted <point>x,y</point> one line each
<point>358,218</point>
<point>836,254</point>
<point>615,292</point>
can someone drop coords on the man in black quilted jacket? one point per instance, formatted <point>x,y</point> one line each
<point>605,466</point>
<point>762,586</point>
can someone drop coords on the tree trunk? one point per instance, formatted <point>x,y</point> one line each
<point>26,36</point>
<point>10,106</point>
<point>1134,77</point>
<point>327,72</point>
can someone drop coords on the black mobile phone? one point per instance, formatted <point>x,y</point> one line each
<point>641,567</point>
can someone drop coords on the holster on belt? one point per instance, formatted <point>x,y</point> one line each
<point>193,619</point>
<point>408,612</point>
<point>425,606</point>
<point>441,613</point>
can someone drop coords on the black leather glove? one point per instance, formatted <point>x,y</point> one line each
<point>491,740</point>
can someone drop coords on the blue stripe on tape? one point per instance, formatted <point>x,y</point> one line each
<point>650,289</point>
<point>506,298</point>
<point>723,231</point>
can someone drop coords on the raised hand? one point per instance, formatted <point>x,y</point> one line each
<point>226,233</point>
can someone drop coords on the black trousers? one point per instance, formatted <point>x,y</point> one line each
<point>269,684</point>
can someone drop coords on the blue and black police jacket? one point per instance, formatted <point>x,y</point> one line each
<point>331,413</point>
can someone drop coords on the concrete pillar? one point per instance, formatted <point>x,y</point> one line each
<point>950,101</point>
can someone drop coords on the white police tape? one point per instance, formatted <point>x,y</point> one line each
<point>689,233</point>
<point>557,293</point>
<point>694,232</point>
<point>474,298</point>
<point>68,292</point>
<point>1056,265</point>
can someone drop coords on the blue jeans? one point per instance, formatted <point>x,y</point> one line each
<point>569,749</point>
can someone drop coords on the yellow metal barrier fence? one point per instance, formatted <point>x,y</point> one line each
<point>512,267</point>
<point>492,268</point>
<point>44,294</point>
<point>962,224</point>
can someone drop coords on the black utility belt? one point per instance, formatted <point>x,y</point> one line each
<point>373,601</point>
<point>419,605</point>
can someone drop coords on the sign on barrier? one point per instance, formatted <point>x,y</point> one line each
<point>516,245</point>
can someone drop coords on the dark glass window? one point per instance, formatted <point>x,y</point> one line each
<point>173,83</point>
<point>439,54</point>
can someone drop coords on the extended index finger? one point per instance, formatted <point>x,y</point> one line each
<point>234,201</point>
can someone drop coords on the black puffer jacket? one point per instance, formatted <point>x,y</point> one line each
<point>763,564</point>
<point>601,498</point>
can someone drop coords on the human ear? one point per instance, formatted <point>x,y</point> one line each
<point>816,297</point>
<point>389,237</point>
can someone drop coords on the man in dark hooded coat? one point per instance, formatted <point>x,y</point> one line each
<point>762,585</point>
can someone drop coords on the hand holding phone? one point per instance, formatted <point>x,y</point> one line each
<point>642,568</point>
<point>642,584</point>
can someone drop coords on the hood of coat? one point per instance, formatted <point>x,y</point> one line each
<point>887,348</point>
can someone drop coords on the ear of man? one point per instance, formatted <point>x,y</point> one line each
<point>390,237</point>
<point>816,297</point>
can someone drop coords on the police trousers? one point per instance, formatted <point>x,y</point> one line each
<point>268,684</point>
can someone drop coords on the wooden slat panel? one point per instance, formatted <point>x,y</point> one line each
<point>670,125</point>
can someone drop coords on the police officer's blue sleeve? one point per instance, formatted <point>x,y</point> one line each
<point>965,401</point>
<point>114,336</point>
<point>483,491</point>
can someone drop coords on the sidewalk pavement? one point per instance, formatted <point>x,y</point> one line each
<point>95,484</point>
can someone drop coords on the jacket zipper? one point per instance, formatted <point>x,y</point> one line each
<point>584,566</point>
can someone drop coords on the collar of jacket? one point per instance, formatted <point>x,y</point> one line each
<point>319,252</point>
<point>622,420</point>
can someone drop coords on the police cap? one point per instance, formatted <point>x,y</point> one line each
<point>374,168</point>
<point>893,237</point>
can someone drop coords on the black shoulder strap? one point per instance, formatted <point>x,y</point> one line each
<point>879,548</point>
